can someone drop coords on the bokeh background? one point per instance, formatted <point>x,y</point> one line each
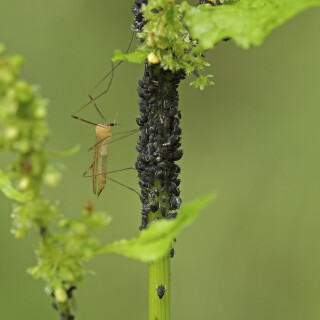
<point>253,137</point>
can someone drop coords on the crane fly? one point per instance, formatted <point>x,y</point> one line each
<point>103,134</point>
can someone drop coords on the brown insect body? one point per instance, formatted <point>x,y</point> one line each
<point>100,157</point>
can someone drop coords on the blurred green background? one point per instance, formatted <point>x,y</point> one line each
<point>253,137</point>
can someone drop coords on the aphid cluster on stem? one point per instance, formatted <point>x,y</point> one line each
<point>159,143</point>
<point>212,2</point>
<point>138,21</point>
<point>62,302</point>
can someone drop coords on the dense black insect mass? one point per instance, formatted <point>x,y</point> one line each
<point>161,291</point>
<point>159,142</point>
<point>138,21</point>
<point>172,253</point>
<point>212,2</point>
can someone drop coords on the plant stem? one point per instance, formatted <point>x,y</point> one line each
<point>64,310</point>
<point>159,149</point>
<point>159,275</point>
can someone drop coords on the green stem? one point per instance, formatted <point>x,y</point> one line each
<point>159,274</point>
<point>64,310</point>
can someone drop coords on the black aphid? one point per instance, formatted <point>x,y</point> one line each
<point>163,211</point>
<point>154,206</point>
<point>69,291</point>
<point>161,291</point>
<point>172,253</point>
<point>172,215</point>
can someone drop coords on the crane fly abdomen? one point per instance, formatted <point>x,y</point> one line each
<point>100,166</point>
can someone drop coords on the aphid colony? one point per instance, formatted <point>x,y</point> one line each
<point>138,21</point>
<point>212,2</point>
<point>159,144</point>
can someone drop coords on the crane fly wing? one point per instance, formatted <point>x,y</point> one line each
<point>100,160</point>
<point>96,155</point>
<point>94,168</point>
<point>102,164</point>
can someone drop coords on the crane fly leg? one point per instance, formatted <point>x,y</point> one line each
<point>123,132</point>
<point>113,180</point>
<point>108,172</point>
<point>92,100</point>
<point>121,184</point>
<point>129,133</point>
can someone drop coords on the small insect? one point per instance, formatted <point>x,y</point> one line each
<point>161,291</point>
<point>99,164</point>
<point>104,136</point>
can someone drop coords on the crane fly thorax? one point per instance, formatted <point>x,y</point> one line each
<point>103,131</point>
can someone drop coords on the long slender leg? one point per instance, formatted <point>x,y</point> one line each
<point>105,77</point>
<point>123,132</point>
<point>108,172</point>
<point>121,184</point>
<point>95,105</point>
<point>111,72</point>
<point>92,100</point>
<point>92,163</point>
<point>108,178</point>
<point>125,136</point>
<point>115,140</point>
<point>96,157</point>
<point>81,119</point>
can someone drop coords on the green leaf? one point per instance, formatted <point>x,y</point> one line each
<point>133,57</point>
<point>10,192</point>
<point>247,22</point>
<point>65,154</point>
<point>154,242</point>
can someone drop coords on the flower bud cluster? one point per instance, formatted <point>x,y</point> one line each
<point>24,132</point>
